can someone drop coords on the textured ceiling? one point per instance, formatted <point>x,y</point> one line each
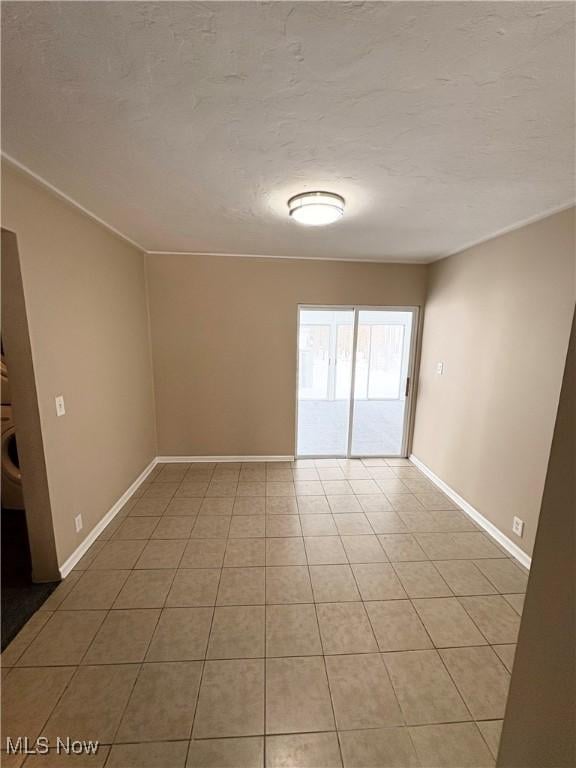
<point>187,125</point>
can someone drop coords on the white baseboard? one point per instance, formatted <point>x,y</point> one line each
<point>221,459</point>
<point>473,513</point>
<point>67,566</point>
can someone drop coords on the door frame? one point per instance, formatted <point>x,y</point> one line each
<point>412,367</point>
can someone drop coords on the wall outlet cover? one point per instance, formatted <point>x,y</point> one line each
<point>518,526</point>
<point>439,368</point>
<point>60,407</point>
<point>78,523</point>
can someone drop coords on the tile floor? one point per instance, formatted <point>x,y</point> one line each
<point>310,614</point>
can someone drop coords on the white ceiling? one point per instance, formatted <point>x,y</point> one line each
<point>186,126</point>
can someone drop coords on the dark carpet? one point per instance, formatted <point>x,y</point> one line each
<point>20,596</point>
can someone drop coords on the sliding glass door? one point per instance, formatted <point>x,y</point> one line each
<point>354,374</point>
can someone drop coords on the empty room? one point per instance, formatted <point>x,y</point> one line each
<point>288,384</point>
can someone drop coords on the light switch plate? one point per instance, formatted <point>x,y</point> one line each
<point>439,368</point>
<point>60,407</point>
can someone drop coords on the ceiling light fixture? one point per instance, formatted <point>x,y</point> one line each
<point>316,209</point>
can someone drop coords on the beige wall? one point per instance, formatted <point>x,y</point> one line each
<point>85,294</point>
<point>224,343</point>
<point>498,315</point>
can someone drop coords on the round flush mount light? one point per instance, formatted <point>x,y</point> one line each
<point>316,209</point>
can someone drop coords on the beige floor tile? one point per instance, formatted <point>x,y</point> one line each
<point>183,506</point>
<point>222,488</point>
<point>244,552</point>
<point>421,580</point>
<point>95,590</point>
<point>355,472</point>
<point>247,752</point>
<point>458,546</point>
<point>251,489</point>
<point>337,488</point>
<point>392,486</point>
<point>447,622</point>
<point>160,491</point>
<point>28,698</point>
<point>179,527</point>
<point>217,506</point>
<point>192,489</point>
<point>434,500</point>
<point>313,505</point>
<point>241,586</point>
<point>464,578</point>
<point>207,527</point>
<point>251,505</point>
<point>453,520</point>
<point>366,487</point>
<point>252,474</point>
<point>363,549</point>
<point>345,628</point>
<point>333,583</point>
<point>318,525</point>
<point>146,507</point>
<point>204,470</point>
<point>123,637</point>
<point>18,645</point>
<point>386,522</point>
<point>397,626</point>
<point>283,525</point>
<point>225,473</point>
<point>459,745</point>
<point>161,754</point>
<point>402,547</point>
<point>516,601</point>
<point>180,635</point>
<point>321,463</point>
<point>377,503</point>
<point>280,489</point>
<point>238,632</point>
<point>144,589</point>
<point>285,551</point>
<point>491,730</point>
<point>424,688</point>
<point>324,550</point>
<point>297,695</point>
<point>193,588</point>
<point>378,581</point>
<point>406,471</point>
<point>504,574</point>
<point>63,640</point>
<point>231,701</point>
<point>288,584</point>
<point>506,655</point>
<point>57,597</point>
<point>282,505</point>
<point>339,505</point>
<point>308,488</point>
<point>330,473</point>
<point>292,630</point>
<point>88,558</point>
<point>402,502</point>
<point>247,526</point>
<point>481,679</point>
<point>204,553</point>
<point>136,528</point>
<point>352,524</point>
<point>496,619</point>
<point>378,748</point>
<point>117,555</point>
<point>305,473</point>
<point>171,473</point>
<point>161,554</point>
<point>361,691</point>
<point>162,704</point>
<point>305,750</point>
<point>53,759</point>
<point>276,475</point>
<point>93,703</point>
<point>419,521</point>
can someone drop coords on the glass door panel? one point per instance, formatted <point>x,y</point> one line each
<point>380,382</point>
<point>325,352</point>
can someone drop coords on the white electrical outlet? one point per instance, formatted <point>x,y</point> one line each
<point>78,523</point>
<point>518,526</point>
<point>60,408</point>
<point>439,368</point>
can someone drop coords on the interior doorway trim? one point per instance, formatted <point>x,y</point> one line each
<point>410,376</point>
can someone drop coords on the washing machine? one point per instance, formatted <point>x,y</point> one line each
<point>11,475</point>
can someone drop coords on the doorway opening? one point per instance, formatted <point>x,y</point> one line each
<point>354,381</point>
